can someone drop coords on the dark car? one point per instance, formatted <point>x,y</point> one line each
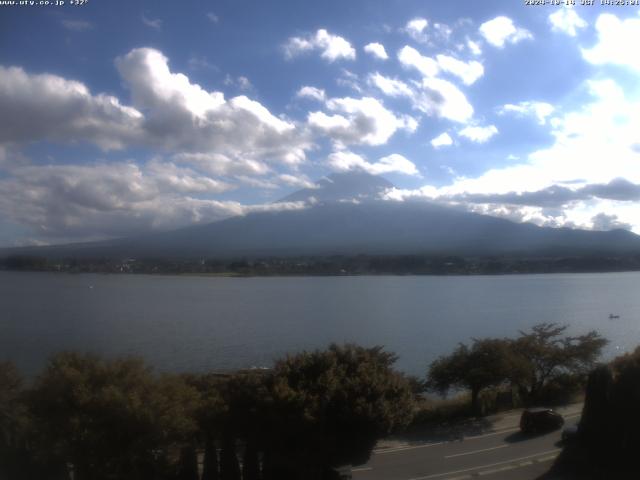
<point>535,420</point>
<point>569,434</point>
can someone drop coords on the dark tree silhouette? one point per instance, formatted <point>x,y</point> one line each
<point>486,363</point>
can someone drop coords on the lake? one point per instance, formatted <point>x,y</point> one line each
<point>181,323</point>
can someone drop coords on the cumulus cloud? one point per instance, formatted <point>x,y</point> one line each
<point>180,115</point>
<point>409,57</point>
<point>598,140</point>
<point>474,47</point>
<point>501,30</point>
<point>170,112</point>
<point>435,96</point>
<point>539,110</point>
<point>300,181</point>
<point>345,160</point>
<point>358,121</point>
<point>479,134</point>
<point>442,98</point>
<point>391,87</point>
<point>311,92</point>
<point>221,165</point>
<point>468,72</point>
<point>442,140</point>
<point>376,50</point>
<point>416,27</point>
<point>213,18</point>
<point>605,222</point>
<point>566,20</point>
<point>107,200</point>
<point>332,47</point>
<point>350,80</point>
<point>36,107</point>
<point>615,37</point>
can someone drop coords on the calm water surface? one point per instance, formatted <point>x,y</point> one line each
<point>200,323</point>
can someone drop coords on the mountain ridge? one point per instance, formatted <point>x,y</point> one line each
<point>346,217</point>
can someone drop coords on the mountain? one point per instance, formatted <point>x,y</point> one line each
<point>337,225</point>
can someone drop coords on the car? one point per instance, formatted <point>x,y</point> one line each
<point>569,434</point>
<point>535,420</point>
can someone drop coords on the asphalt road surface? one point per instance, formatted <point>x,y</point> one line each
<point>503,455</point>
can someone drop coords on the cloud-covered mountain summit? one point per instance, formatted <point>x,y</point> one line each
<point>351,186</point>
<point>333,224</point>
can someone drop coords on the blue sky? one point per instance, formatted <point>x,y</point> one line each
<point>124,117</point>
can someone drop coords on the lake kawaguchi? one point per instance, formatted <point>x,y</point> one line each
<point>182,323</point>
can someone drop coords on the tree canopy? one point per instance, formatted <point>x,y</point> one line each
<point>110,419</point>
<point>543,352</point>
<point>340,400</point>
<point>529,362</point>
<point>486,363</point>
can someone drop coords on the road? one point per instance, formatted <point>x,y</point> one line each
<point>504,454</point>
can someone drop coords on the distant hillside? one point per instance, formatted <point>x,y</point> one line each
<point>334,225</point>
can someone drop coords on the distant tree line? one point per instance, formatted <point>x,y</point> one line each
<point>332,265</point>
<point>98,419</point>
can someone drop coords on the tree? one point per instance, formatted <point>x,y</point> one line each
<point>543,353</point>
<point>328,408</point>
<point>111,419</point>
<point>15,426</point>
<point>486,363</point>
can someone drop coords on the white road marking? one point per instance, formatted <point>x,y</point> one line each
<point>408,447</point>
<point>361,469</point>
<point>472,437</point>
<point>481,467</point>
<point>475,451</point>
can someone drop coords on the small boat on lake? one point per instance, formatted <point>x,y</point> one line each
<point>612,316</point>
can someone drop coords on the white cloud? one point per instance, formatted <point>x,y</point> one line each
<point>474,47</point>
<point>539,110</point>
<point>154,23</point>
<point>597,144</point>
<point>410,57</point>
<point>345,160</point>
<point>182,116</point>
<point>311,92</point>
<point>468,72</point>
<point>350,80</point>
<point>107,200</point>
<point>376,50</point>
<point>416,27</point>
<point>501,30</point>
<point>442,140</point>
<point>566,20</point>
<point>603,222</point>
<point>391,87</point>
<point>221,165</point>
<point>442,98</point>
<point>300,181</point>
<point>615,40</point>
<point>171,113</point>
<point>435,96</point>
<point>213,17</point>
<point>333,47</point>
<point>479,134</point>
<point>37,107</point>
<point>358,121</point>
